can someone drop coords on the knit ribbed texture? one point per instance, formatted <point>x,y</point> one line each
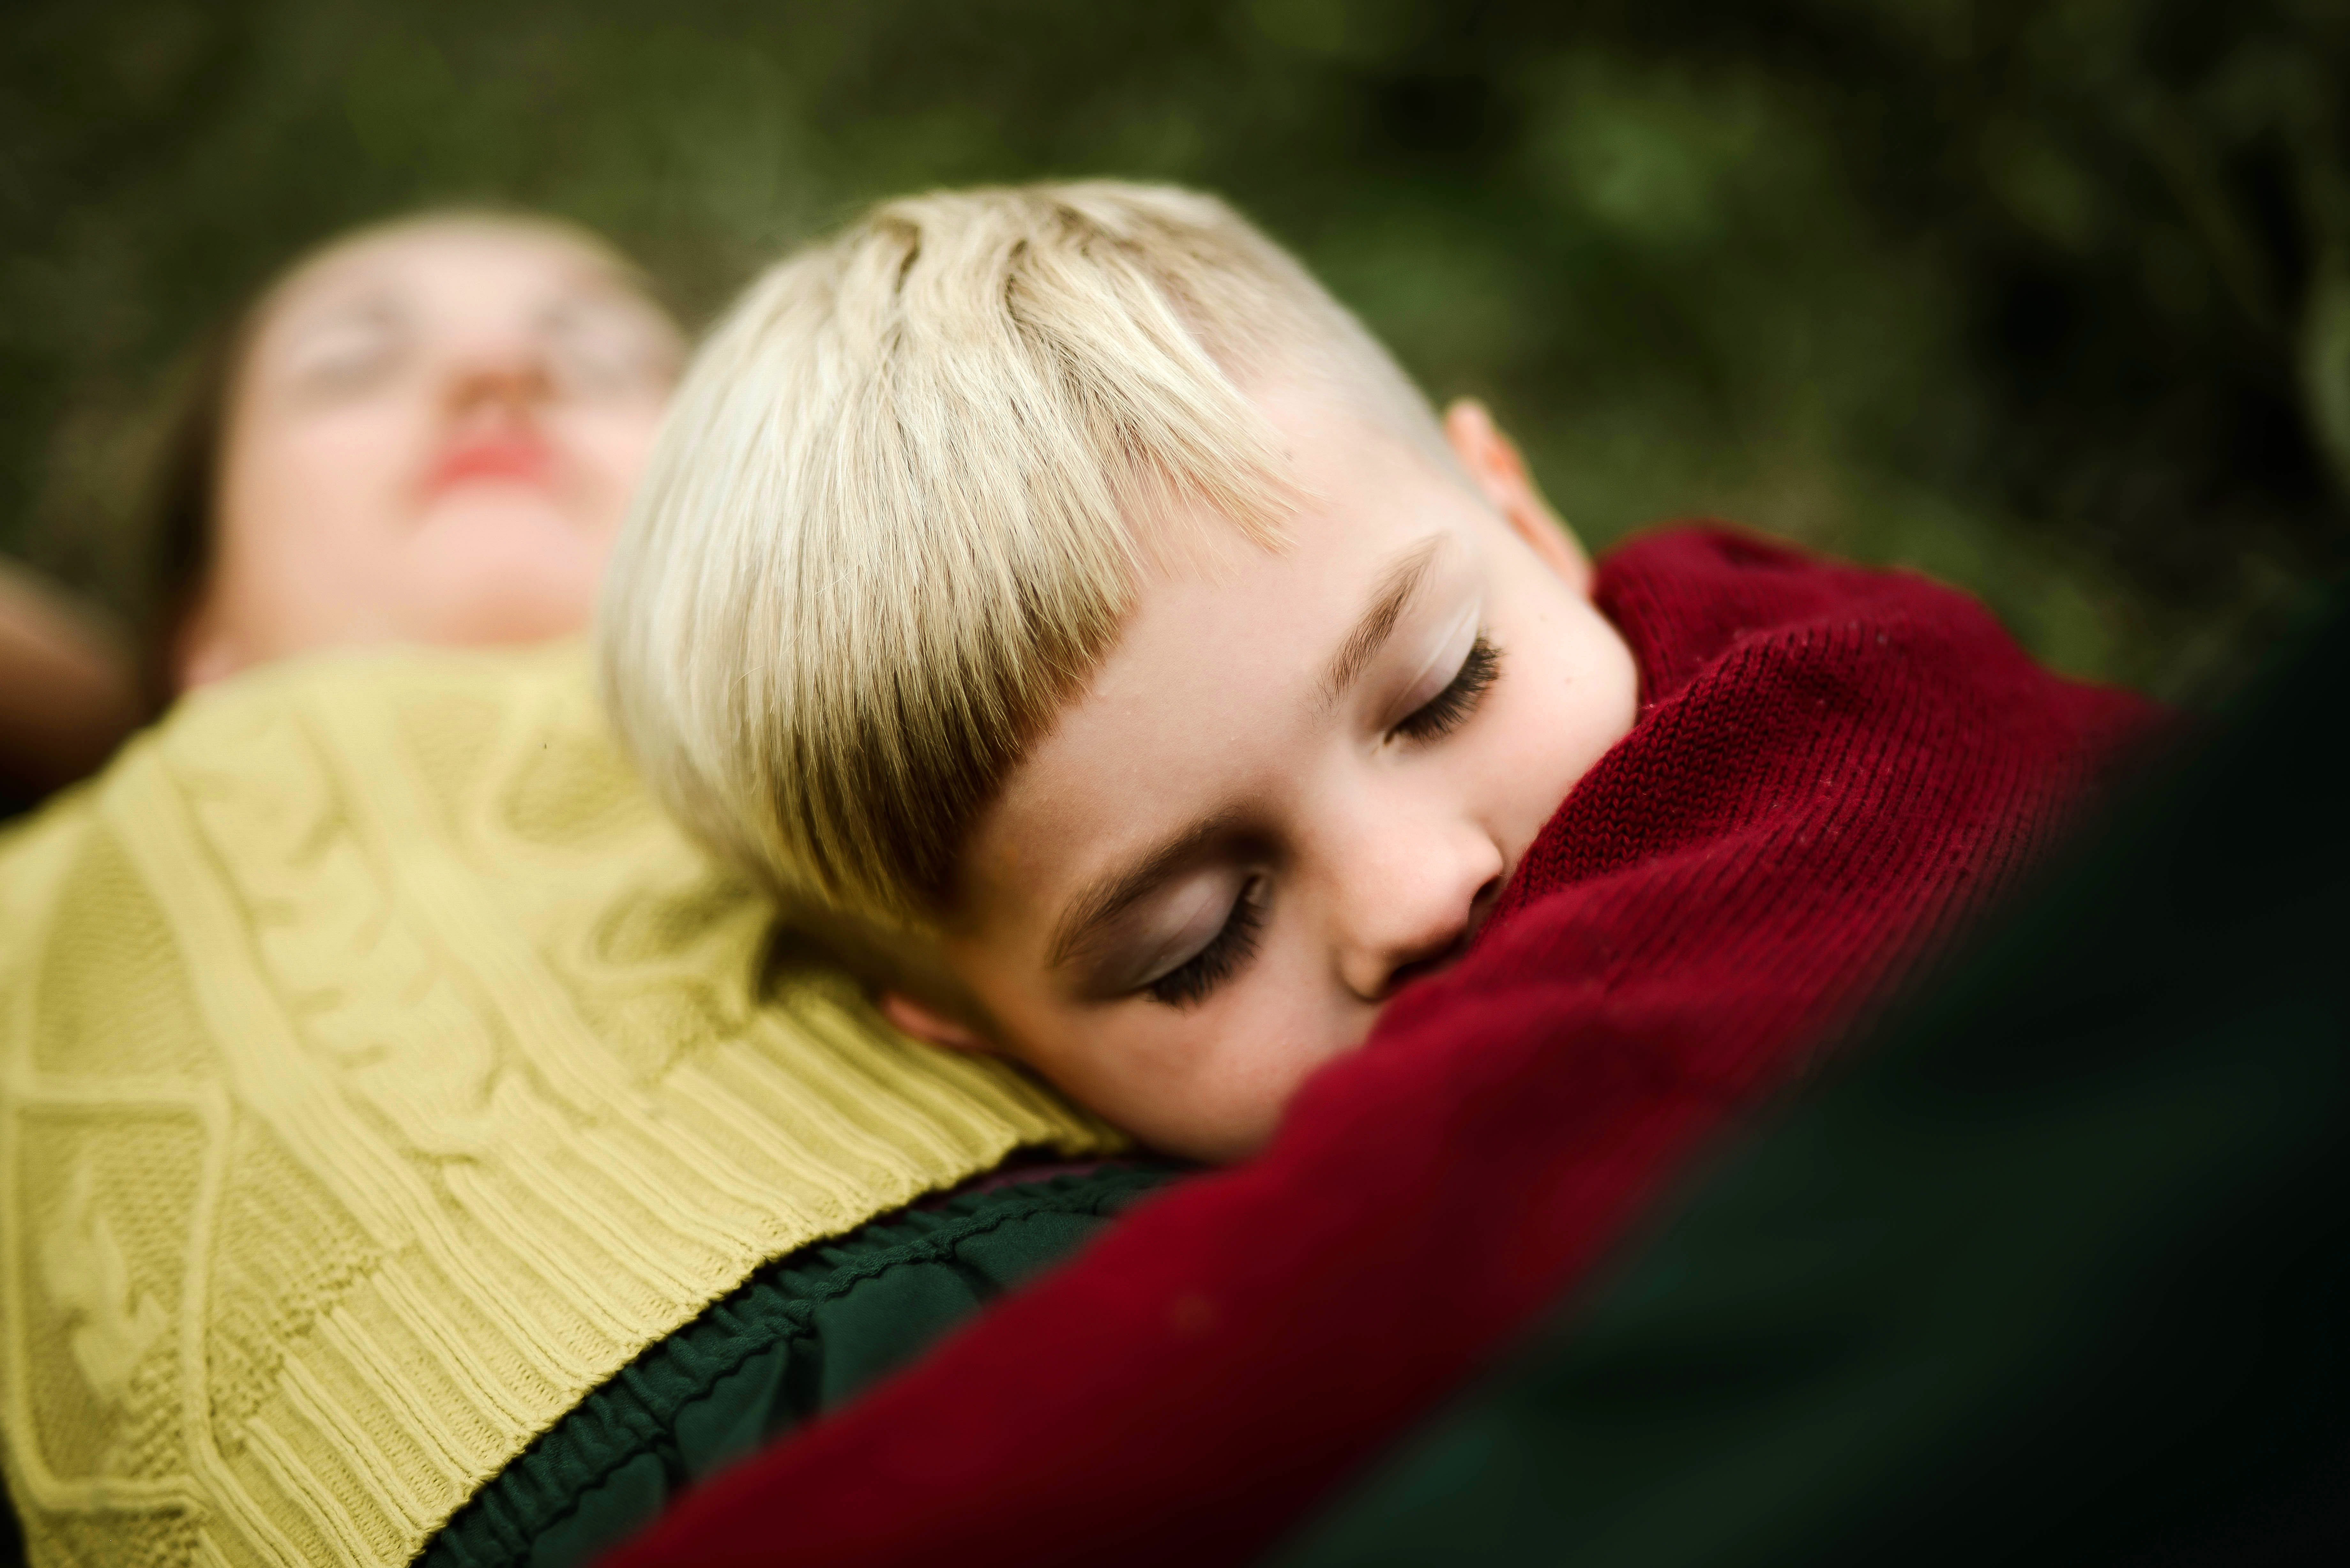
<point>382,1073</point>
<point>1828,765</point>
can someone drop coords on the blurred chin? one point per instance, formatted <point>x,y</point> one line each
<point>501,613</point>
<point>485,572</point>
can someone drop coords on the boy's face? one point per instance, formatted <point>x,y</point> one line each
<point>1297,782</point>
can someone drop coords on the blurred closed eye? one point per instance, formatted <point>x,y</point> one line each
<point>344,357</point>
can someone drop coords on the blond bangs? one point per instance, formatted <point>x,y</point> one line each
<point>900,504</point>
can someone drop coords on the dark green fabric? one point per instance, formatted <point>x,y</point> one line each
<point>804,1334</point>
<point>2060,1273</point>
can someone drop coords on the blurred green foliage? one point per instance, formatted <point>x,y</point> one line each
<point>2049,299</point>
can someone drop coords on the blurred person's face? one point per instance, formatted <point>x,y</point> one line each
<point>1297,782</point>
<point>432,434</point>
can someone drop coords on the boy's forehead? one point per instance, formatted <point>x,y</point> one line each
<point>1341,431</point>
<point>1342,450</point>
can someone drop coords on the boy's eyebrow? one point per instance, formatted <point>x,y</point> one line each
<point>1115,894</point>
<point>1378,622</point>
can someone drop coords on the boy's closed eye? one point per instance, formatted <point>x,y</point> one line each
<point>1451,706</point>
<point>1225,953</point>
<point>1228,949</point>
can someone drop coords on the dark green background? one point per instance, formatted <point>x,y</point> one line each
<point>2052,300</point>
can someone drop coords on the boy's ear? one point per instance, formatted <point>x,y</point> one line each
<point>930,1025</point>
<point>1493,461</point>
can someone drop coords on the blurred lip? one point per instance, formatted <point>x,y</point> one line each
<point>507,459</point>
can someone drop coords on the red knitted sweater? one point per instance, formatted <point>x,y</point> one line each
<point>1829,763</point>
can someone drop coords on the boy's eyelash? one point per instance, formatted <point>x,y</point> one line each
<point>1232,947</point>
<point>1442,713</point>
<point>1189,983</point>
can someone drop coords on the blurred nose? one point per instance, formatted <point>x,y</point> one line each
<point>496,375</point>
<point>1416,899</point>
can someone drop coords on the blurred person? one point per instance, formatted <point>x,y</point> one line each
<point>425,431</point>
<point>422,431</point>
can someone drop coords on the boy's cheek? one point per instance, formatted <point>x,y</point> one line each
<point>1534,762</point>
<point>1581,701</point>
<point>1211,1085</point>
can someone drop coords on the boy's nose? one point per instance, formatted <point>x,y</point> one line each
<point>1419,918</point>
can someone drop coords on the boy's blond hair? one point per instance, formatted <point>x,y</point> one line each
<point>892,522</point>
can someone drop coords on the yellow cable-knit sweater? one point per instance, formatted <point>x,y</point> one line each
<point>381,1073</point>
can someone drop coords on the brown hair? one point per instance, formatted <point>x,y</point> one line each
<point>183,500</point>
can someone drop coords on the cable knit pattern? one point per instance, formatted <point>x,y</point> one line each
<point>382,1073</point>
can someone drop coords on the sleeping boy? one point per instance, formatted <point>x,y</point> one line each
<point>1075,614</point>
